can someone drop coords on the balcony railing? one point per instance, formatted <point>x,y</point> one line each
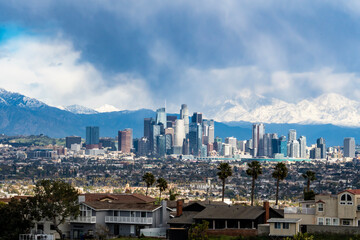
<point>299,210</point>
<point>139,220</point>
<point>84,219</point>
<point>36,237</point>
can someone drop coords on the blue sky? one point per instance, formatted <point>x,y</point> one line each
<point>136,54</point>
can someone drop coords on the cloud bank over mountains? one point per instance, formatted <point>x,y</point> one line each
<point>117,55</point>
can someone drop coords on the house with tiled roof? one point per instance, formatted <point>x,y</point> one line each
<point>118,215</point>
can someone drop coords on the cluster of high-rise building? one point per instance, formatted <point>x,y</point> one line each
<point>168,134</point>
<point>192,135</point>
<point>270,145</point>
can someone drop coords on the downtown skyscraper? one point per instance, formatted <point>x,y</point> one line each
<point>258,131</point>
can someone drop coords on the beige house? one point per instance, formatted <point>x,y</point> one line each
<point>284,227</point>
<point>342,209</point>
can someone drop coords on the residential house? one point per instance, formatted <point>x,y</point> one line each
<point>117,215</point>
<point>342,209</point>
<point>222,219</point>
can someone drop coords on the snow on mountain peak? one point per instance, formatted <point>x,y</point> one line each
<point>328,108</point>
<point>107,108</point>
<point>78,109</point>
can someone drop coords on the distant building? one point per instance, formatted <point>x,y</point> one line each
<point>320,143</point>
<point>232,142</point>
<point>315,153</point>
<point>143,146</point>
<point>179,133</point>
<point>302,143</point>
<point>170,121</point>
<point>92,137</point>
<point>258,131</point>
<point>147,127</point>
<point>125,140</point>
<point>108,143</point>
<point>349,147</point>
<point>292,135</point>
<point>195,138</point>
<point>72,140</point>
<point>293,149</point>
<point>184,114</point>
<point>197,118</point>
<point>161,117</point>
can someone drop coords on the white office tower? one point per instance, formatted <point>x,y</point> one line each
<point>293,149</point>
<point>184,114</point>
<point>302,143</point>
<point>349,147</point>
<point>292,135</point>
<point>258,131</point>
<point>232,142</point>
<point>226,149</point>
<point>179,133</point>
<point>241,145</point>
<point>208,128</point>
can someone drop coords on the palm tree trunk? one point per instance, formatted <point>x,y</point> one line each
<point>160,197</point>
<point>277,191</point>
<point>308,185</point>
<point>252,191</point>
<point>147,187</point>
<point>223,190</point>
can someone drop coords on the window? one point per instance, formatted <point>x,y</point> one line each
<point>132,229</point>
<point>358,207</point>
<point>143,214</point>
<point>277,225</point>
<point>320,207</point>
<point>335,221</point>
<point>285,225</point>
<point>320,221</point>
<point>52,227</point>
<point>328,221</point>
<point>346,222</point>
<point>346,199</point>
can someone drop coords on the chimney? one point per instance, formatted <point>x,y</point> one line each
<point>179,207</point>
<point>267,211</point>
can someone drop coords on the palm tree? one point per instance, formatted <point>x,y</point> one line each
<point>224,172</point>
<point>162,185</point>
<point>149,179</point>
<point>254,170</point>
<point>173,194</point>
<point>279,174</point>
<point>309,176</point>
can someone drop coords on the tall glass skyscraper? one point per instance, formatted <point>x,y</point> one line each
<point>184,114</point>
<point>258,131</point>
<point>161,117</point>
<point>92,135</point>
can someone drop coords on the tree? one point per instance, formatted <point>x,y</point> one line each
<point>199,231</point>
<point>149,179</point>
<point>309,176</point>
<point>301,236</point>
<point>172,194</point>
<point>162,185</point>
<point>254,170</point>
<point>15,218</point>
<point>224,172</point>
<point>280,173</point>
<point>56,201</point>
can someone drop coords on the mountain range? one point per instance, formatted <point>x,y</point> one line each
<point>330,116</point>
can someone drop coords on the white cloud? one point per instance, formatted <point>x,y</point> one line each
<point>52,71</point>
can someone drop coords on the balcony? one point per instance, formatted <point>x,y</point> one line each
<point>130,220</point>
<point>84,219</point>
<point>299,210</point>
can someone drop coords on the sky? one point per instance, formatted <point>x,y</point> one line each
<point>139,54</point>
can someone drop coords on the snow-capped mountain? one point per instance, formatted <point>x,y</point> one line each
<point>107,108</point>
<point>15,99</point>
<point>78,109</point>
<point>328,108</point>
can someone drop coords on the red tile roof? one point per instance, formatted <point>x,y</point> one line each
<point>353,191</point>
